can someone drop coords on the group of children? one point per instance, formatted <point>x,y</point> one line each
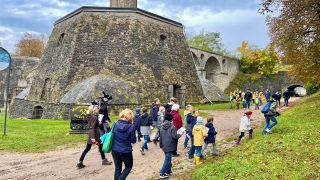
<point>239,97</point>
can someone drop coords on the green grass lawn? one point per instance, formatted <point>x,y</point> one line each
<point>291,152</point>
<point>34,136</point>
<point>218,106</point>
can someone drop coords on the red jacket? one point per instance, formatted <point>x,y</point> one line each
<point>177,120</point>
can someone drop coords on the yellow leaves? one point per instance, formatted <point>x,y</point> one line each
<point>30,45</point>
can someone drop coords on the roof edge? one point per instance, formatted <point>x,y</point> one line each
<point>120,10</point>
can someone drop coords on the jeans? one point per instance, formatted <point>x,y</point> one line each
<point>248,104</point>
<point>88,147</point>
<point>214,150</point>
<point>166,168</point>
<point>286,102</point>
<point>242,133</point>
<point>198,150</point>
<point>256,106</point>
<point>118,159</point>
<point>192,149</point>
<point>145,142</point>
<point>268,126</point>
<point>185,144</point>
<point>231,103</point>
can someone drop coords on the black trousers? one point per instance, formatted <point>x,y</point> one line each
<point>242,133</point>
<point>118,159</point>
<point>88,147</point>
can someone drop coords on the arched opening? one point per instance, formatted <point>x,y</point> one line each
<point>202,56</point>
<point>196,59</point>
<point>213,69</point>
<point>297,90</point>
<point>163,41</point>
<point>37,112</point>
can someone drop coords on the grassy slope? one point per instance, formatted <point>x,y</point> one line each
<point>291,152</point>
<point>37,135</point>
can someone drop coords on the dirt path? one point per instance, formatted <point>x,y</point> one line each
<point>60,164</point>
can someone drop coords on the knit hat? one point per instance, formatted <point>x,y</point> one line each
<point>137,110</point>
<point>199,120</point>
<point>248,113</point>
<point>168,117</point>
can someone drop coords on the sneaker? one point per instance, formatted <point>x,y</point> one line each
<point>169,173</point>
<point>80,165</point>
<point>106,162</point>
<point>268,130</point>
<point>142,151</point>
<point>164,176</point>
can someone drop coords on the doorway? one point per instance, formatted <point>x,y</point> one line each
<point>178,92</point>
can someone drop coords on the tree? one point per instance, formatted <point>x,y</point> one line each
<point>294,27</point>
<point>254,60</point>
<point>208,41</point>
<point>30,45</point>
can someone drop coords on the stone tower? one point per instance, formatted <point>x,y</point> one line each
<point>123,3</point>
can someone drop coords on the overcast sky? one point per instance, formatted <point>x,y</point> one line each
<point>236,20</point>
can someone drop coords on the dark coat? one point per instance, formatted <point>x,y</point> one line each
<point>168,107</point>
<point>168,137</point>
<point>248,96</point>
<point>136,121</point>
<point>123,137</point>
<point>104,110</point>
<point>286,95</point>
<point>154,112</point>
<point>93,124</point>
<point>145,120</point>
<point>177,119</point>
<point>211,138</point>
<point>192,124</point>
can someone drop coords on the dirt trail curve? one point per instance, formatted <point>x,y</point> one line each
<point>61,164</point>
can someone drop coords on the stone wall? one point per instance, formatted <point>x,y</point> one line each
<point>21,74</point>
<point>133,46</point>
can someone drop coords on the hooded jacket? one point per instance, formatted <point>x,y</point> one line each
<point>211,134</point>
<point>145,120</point>
<point>136,120</point>
<point>154,112</point>
<point>177,120</point>
<point>168,137</point>
<point>123,137</point>
<point>93,125</point>
<point>199,133</point>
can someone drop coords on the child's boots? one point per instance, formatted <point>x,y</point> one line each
<point>238,141</point>
<point>198,160</point>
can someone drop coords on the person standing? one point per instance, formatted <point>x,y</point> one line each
<point>160,120</point>
<point>199,133</point>
<point>270,115</point>
<point>103,104</point>
<point>177,122</point>
<point>154,111</point>
<point>170,104</point>
<point>188,121</point>
<point>136,123</point>
<point>238,100</point>
<point>192,124</point>
<point>248,98</point>
<point>145,127</point>
<point>168,143</point>
<point>211,139</point>
<point>286,96</point>
<point>123,138</point>
<point>245,126</point>
<point>93,136</point>
<point>231,97</point>
<point>268,95</point>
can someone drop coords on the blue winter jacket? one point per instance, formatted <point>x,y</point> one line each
<point>154,112</point>
<point>123,137</point>
<point>193,122</point>
<point>211,138</point>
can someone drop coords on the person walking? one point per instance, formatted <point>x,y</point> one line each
<point>270,114</point>
<point>171,102</point>
<point>136,123</point>
<point>123,138</point>
<point>238,100</point>
<point>93,136</point>
<point>177,122</point>
<point>199,133</point>
<point>192,124</point>
<point>248,98</point>
<point>160,120</point>
<point>268,95</point>
<point>286,96</point>
<point>188,121</point>
<point>145,127</point>
<point>168,144</point>
<point>154,111</point>
<point>211,139</point>
<point>245,126</point>
<point>231,97</point>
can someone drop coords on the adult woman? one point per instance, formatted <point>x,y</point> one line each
<point>123,138</point>
<point>93,136</point>
<point>177,122</point>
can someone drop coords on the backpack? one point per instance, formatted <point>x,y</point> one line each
<point>266,108</point>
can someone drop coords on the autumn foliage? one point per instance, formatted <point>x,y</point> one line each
<point>294,28</point>
<point>261,61</point>
<point>30,45</point>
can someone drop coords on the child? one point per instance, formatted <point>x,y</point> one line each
<point>168,143</point>
<point>211,139</point>
<point>187,123</point>
<point>256,102</point>
<point>238,100</point>
<point>199,133</point>
<point>136,123</point>
<point>245,126</point>
<point>160,120</point>
<point>145,123</point>
<point>192,124</point>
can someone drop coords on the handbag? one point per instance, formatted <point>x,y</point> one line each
<point>107,140</point>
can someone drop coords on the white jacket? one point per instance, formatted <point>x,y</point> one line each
<point>244,124</point>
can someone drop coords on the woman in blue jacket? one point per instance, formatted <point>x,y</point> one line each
<point>123,138</point>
